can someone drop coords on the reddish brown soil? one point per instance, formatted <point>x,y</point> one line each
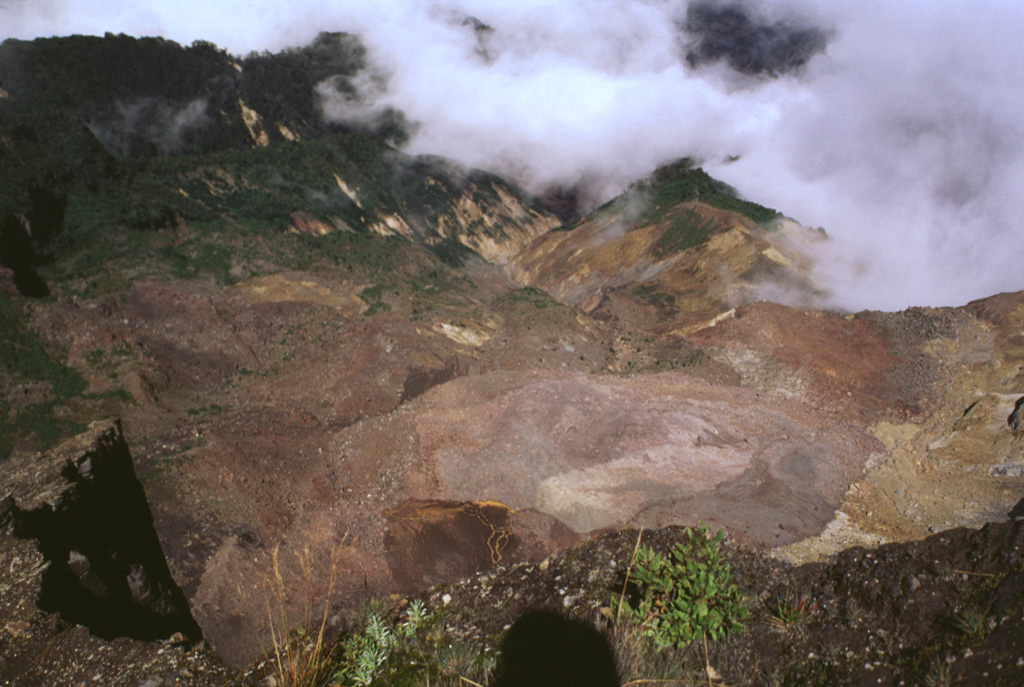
<point>279,414</point>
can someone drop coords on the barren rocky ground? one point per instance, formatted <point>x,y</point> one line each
<point>321,349</point>
<point>287,419</point>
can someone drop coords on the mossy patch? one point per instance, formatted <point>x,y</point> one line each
<point>528,295</point>
<point>688,229</point>
<point>25,360</point>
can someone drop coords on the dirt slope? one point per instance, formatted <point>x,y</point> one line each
<point>314,409</point>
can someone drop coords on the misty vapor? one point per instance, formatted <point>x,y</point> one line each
<point>893,125</point>
<point>133,128</point>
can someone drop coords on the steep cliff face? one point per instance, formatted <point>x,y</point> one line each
<point>443,206</point>
<point>102,564</point>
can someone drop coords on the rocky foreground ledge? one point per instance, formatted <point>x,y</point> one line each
<point>86,596</point>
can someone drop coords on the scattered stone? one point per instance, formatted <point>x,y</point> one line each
<point>177,639</point>
<point>1007,470</point>
<point>19,629</point>
<point>913,584</point>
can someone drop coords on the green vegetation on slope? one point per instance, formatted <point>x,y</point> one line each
<point>688,229</point>
<point>658,196</point>
<point>148,96</point>
<point>24,362</point>
<point>75,70</point>
<point>529,295</point>
<point>681,182</point>
<point>227,214</point>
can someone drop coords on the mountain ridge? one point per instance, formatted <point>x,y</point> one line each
<point>309,334</point>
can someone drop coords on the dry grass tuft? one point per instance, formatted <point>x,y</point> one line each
<point>302,656</point>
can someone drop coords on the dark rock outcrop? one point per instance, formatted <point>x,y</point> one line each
<point>18,256</point>
<point>103,567</point>
<point>1016,418</point>
<point>436,541</point>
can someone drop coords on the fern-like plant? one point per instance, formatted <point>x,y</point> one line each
<point>366,653</point>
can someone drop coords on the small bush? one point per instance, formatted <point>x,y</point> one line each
<point>410,652</point>
<point>374,298</point>
<point>682,596</point>
<point>787,609</point>
<point>366,653</point>
<point>538,298</point>
<point>969,623</point>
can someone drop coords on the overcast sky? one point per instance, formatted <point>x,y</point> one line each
<point>900,130</point>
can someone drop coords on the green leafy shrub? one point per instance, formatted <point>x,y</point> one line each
<point>367,654</point>
<point>679,597</point>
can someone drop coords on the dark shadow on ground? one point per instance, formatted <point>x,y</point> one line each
<point>544,649</point>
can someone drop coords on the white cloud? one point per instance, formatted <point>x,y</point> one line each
<point>903,140</point>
